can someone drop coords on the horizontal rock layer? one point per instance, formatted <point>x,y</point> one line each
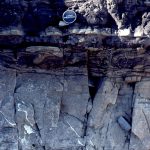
<point>130,63</point>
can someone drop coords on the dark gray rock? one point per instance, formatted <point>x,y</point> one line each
<point>124,123</point>
<point>46,101</point>
<point>140,123</point>
<point>105,136</point>
<point>106,95</point>
<point>75,96</point>
<point>68,134</point>
<point>8,129</point>
<point>8,138</point>
<point>38,102</point>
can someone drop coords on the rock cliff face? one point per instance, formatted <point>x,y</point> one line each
<point>84,86</point>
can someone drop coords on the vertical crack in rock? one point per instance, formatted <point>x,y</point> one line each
<point>146,121</point>
<point>140,127</point>
<point>38,131</point>
<point>8,129</point>
<point>103,98</point>
<point>107,94</point>
<point>15,110</point>
<point>107,129</point>
<point>38,105</point>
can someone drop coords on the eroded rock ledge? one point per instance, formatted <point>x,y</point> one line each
<point>79,87</point>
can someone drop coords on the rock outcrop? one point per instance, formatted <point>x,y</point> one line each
<point>83,86</point>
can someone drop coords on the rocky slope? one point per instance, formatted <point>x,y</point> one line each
<point>83,86</point>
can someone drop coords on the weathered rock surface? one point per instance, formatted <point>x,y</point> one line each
<point>83,86</point>
<point>140,127</point>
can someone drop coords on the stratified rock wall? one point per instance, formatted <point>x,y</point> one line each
<point>83,86</point>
